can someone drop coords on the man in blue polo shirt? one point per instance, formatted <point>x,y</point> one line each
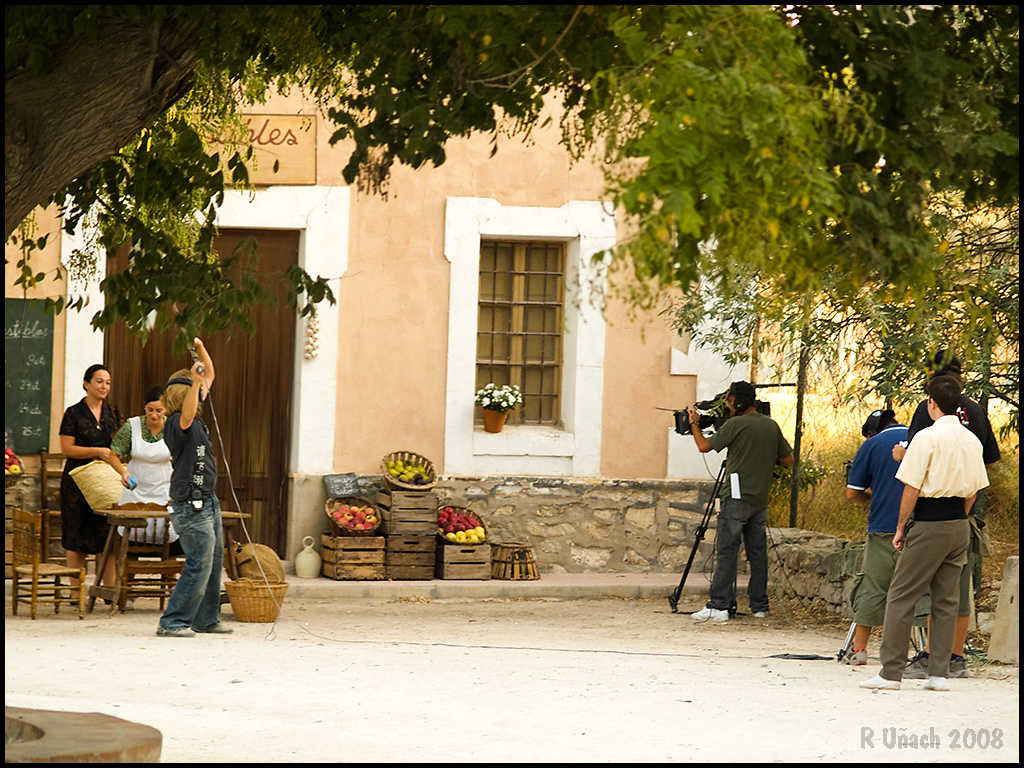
<point>872,477</point>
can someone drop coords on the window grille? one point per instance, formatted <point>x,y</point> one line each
<point>519,328</point>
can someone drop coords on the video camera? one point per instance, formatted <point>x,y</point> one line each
<point>713,413</point>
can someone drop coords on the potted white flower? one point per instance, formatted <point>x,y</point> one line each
<point>497,402</point>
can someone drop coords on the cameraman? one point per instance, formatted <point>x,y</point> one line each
<point>755,445</point>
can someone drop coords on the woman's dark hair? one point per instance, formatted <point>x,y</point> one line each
<point>945,391</point>
<point>91,371</point>
<point>154,393</point>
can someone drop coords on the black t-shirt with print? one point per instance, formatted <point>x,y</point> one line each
<point>971,416</point>
<point>192,460</point>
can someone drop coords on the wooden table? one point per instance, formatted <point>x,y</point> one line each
<point>139,518</point>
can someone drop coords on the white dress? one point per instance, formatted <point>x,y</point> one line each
<point>151,465</point>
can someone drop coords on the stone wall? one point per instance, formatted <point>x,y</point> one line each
<point>578,525</point>
<point>814,568</point>
<point>609,526</point>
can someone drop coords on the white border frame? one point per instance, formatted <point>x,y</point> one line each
<point>587,229</point>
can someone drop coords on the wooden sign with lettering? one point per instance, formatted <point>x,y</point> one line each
<point>28,366</point>
<point>284,149</point>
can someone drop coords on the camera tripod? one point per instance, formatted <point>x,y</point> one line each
<point>917,638</point>
<point>673,599</point>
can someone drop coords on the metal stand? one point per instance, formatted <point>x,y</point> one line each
<point>673,599</point>
<point>918,639</point>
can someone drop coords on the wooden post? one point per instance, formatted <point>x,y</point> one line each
<point>801,385</point>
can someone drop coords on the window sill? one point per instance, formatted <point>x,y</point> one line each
<point>525,440</point>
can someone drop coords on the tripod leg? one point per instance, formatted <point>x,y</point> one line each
<point>848,643</point>
<point>673,599</point>
<point>918,638</point>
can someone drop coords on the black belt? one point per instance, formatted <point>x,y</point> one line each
<point>939,508</point>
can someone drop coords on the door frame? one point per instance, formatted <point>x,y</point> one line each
<point>321,216</point>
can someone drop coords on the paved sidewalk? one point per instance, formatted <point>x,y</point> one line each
<point>560,586</point>
<point>554,586</point>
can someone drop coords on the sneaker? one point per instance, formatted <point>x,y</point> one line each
<point>957,666</point>
<point>917,669</point>
<point>760,614</point>
<point>936,684</point>
<point>881,684</point>
<point>216,629</point>
<point>183,632</point>
<point>858,658</point>
<point>708,613</point>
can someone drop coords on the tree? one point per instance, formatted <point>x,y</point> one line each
<point>759,128</point>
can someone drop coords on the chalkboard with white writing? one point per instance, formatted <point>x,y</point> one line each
<point>28,365</point>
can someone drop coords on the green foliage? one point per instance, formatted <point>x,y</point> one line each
<point>800,142</point>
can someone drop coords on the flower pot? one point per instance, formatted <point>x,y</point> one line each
<point>494,420</point>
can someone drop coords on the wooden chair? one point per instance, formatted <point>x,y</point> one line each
<point>150,570</point>
<point>41,580</point>
<point>51,467</point>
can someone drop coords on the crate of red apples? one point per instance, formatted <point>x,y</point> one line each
<point>352,517</point>
<point>459,525</point>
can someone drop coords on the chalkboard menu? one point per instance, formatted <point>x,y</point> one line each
<point>28,366</point>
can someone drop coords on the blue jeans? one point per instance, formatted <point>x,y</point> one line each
<point>195,601</point>
<point>737,520</point>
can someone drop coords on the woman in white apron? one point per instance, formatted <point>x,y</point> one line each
<point>141,441</point>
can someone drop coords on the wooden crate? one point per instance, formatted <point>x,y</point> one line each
<point>408,513</point>
<point>411,557</point>
<point>459,561</point>
<point>353,557</point>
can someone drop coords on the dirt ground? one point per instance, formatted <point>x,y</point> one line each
<point>489,680</point>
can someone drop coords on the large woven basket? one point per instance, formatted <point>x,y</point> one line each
<point>394,482</point>
<point>254,600</point>
<point>340,530</point>
<point>99,483</point>
<point>466,511</point>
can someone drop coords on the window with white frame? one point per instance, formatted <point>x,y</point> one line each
<point>563,438</point>
<point>519,325</point>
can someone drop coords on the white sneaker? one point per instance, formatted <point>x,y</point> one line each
<point>708,613</point>
<point>880,683</point>
<point>936,684</point>
<point>760,614</point>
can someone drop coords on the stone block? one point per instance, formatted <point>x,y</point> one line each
<point>597,531</point>
<point>1004,645</point>
<point>642,518</point>
<point>607,515</point>
<point>590,557</point>
<point>632,557</point>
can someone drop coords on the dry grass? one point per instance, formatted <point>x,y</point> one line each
<point>832,437</point>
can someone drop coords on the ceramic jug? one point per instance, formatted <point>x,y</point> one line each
<point>307,562</point>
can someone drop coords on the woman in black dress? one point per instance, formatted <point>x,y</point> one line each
<point>86,430</point>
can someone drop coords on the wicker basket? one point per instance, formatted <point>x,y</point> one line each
<point>394,482</point>
<point>340,530</point>
<point>468,511</point>
<point>254,600</point>
<point>99,483</point>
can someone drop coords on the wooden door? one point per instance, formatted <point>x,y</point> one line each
<point>249,410</point>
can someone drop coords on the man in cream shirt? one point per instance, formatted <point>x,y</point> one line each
<point>942,471</point>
